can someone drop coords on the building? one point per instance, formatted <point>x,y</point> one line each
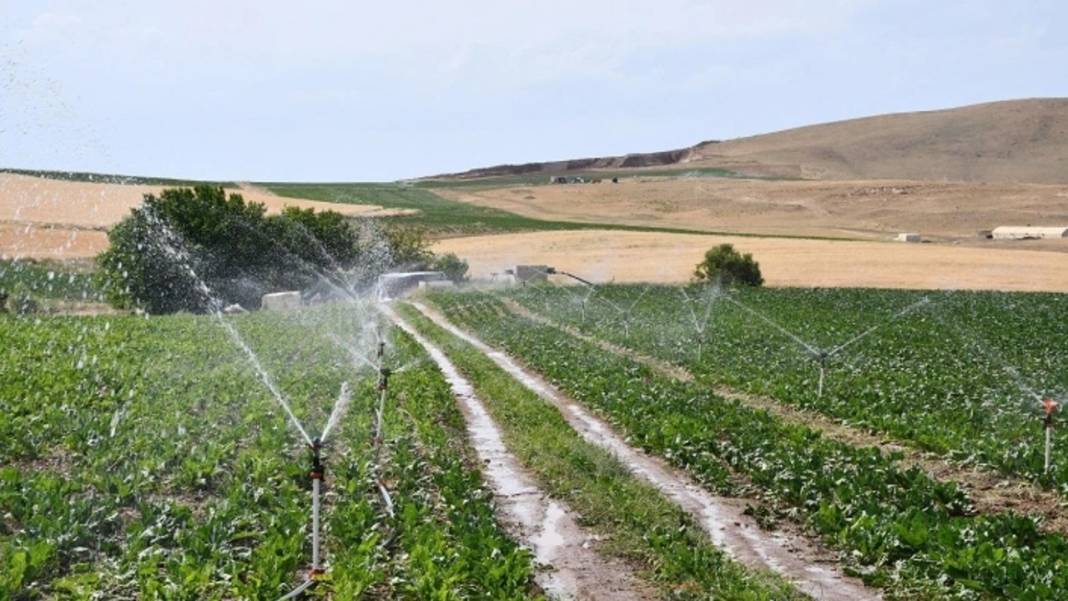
<point>1021,232</point>
<point>394,285</point>
<point>525,274</point>
<point>908,237</point>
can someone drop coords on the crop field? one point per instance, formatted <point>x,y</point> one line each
<point>143,459</point>
<point>962,374</point>
<point>954,374</point>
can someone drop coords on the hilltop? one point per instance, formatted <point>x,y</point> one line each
<point>998,142</point>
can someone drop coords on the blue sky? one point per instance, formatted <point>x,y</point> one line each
<point>270,90</point>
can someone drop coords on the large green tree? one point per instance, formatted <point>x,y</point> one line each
<point>725,265</point>
<point>176,247</point>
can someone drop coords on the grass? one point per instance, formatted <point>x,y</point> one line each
<point>637,523</point>
<point>54,280</point>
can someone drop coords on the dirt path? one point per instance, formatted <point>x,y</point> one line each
<point>544,525</point>
<point>990,492</point>
<point>809,567</point>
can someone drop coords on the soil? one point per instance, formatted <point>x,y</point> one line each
<point>541,523</point>
<point>726,520</point>
<point>989,491</point>
<point>622,256</point>
<point>880,209</point>
<point>57,219</point>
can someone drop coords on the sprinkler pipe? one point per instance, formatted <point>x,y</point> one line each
<point>317,472</point>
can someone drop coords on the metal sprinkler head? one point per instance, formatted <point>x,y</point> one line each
<point>316,459</point>
<point>1050,407</point>
<point>383,377</point>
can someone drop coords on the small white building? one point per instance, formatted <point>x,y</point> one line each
<point>1028,232</point>
<point>394,285</point>
<point>281,301</point>
<point>908,237</point>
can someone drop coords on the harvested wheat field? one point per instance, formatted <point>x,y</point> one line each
<point>606,255</point>
<point>50,218</point>
<point>842,209</point>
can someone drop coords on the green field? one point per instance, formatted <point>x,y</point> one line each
<point>143,459</point>
<point>915,379</point>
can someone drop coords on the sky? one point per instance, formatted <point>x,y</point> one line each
<point>376,91</point>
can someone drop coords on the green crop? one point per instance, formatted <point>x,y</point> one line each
<point>896,527</point>
<point>142,458</point>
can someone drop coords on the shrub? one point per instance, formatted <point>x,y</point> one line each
<point>725,265</point>
<point>452,266</point>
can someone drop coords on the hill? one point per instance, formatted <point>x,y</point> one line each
<point>1009,141</point>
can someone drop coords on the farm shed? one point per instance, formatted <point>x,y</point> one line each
<point>1020,232</point>
<point>530,273</point>
<point>393,285</point>
<point>908,237</point>
<point>281,301</point>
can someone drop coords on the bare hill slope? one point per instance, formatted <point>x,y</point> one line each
<point>1009,141</point>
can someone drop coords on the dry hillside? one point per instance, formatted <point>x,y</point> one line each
<point>1010,141</point>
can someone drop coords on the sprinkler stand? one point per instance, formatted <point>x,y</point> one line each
<point>316,474</point>
<point>1050,406</point>
<point>822,358</point>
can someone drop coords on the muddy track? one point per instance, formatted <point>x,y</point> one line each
<point>788,552</point>
<point>990,492</point>
<point>545,526</point>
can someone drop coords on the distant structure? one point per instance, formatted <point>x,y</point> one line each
<point>281,301</point>
<point>908,237</point>
<point>394,285</point>
<point>1020,232</point>
<point>529,274</point>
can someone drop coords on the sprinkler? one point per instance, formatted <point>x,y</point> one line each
<point>316,474</point>
<point>1050,406</point>
<point>821,358</point>
<point>383,391</point>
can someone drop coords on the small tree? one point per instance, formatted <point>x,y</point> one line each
<point>452,266</point>
<point>727,266</point>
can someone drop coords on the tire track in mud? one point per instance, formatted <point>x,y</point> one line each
<point>544,525</point>
<point>990,492</point>
<point>787,552</point>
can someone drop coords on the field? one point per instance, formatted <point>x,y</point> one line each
<point>953,379</point>
<point>140,464</point>
<point>871,209</point>
<point>50,218</point>
<point>612,255</point>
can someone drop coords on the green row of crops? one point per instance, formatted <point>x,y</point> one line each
<point>897,528</point>
<point>142,458</point>
<point>958,376</point>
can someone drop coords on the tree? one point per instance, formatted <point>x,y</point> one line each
<point>172,250</point>
<point>452,266</point>
<point>727,266</point>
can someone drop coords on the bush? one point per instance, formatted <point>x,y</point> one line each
<point>725,265</point>
<point>234,247</point>
<point>452,266</point>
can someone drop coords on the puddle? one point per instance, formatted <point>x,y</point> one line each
<point>808,567</point>
<point>542,524</point>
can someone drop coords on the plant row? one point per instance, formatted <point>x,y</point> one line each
<point>895,527</point>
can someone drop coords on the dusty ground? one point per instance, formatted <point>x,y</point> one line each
<point>48,218</point>
<point>851,209</point>
<point>656,257</point>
